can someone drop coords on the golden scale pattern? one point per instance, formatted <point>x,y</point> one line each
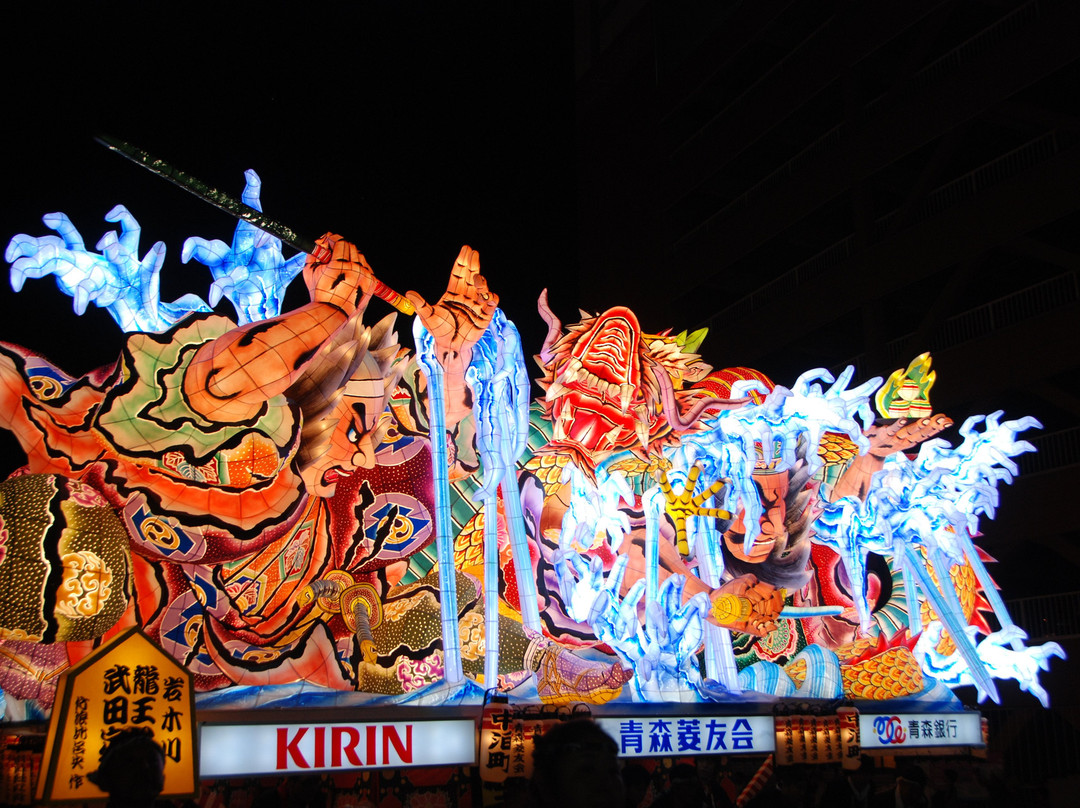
<point>835,448</point>
<point>967,588</point>
<point>894,672</point>
<point>469,545</point>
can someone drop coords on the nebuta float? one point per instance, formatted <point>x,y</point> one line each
<point>296,502</point>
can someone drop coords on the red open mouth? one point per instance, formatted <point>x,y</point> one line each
<point>597,403</point>
<point>332,475</point>
<point>763,545</point>
<point>609,350</point>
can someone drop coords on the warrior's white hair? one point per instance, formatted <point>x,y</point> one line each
<point>354,353</point>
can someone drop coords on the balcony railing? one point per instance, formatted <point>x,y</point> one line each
<point>981,321</point>
<point>1047,617</point>
<point>832,139</point>
<point>1034,744</point>
<point>1053,451</point>
<point>1034,152</point>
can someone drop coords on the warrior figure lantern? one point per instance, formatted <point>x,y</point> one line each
<point>293,506</point>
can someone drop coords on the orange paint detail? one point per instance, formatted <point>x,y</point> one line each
<point>964,581</point>
<point>256,458</point>
<point>719,382</point>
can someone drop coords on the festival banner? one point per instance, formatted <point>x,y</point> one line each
<point>808,739</point>
<point>128,684</point>
<point>920,730</point>
<point>673,735</point>
<point>241,750</point>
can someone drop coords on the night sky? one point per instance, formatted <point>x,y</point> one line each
<point>409,128</point>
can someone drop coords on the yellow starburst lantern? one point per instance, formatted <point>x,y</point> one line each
<point>906,393</point>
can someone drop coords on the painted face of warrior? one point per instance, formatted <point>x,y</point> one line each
<point>774,490</point>
<point>789,505</point>
<point>598,400</point>
<point>355,435</point>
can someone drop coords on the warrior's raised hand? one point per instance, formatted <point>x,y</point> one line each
<point>345,281</point>
<point>463,313</point>
<point>456,322</point>
<point>900,435</point>
<point>904,434</point>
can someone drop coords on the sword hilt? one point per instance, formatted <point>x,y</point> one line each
<point>239,210</point>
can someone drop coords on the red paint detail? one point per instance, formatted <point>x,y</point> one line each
<point>510,582</point>
<point>320,747</point>
<point>337,738</point>
<point>719,382</point>
<point>404,751</point>
<point>290,749</point>
<point>825,561</point>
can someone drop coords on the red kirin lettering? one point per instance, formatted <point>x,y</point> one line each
<point>344,746</point>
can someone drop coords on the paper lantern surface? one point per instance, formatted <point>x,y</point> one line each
<point>300,512</point>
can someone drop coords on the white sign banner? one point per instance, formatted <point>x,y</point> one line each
<point>902,731</point>
<point>660,736</point>
<point>233,750</point>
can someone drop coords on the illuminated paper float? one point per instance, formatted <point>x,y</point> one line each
<point>312,514</point>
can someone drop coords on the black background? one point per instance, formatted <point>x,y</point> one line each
<point>409,128</point>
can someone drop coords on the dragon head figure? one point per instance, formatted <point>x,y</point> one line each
<point>610,387</point>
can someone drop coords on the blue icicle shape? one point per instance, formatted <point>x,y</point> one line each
<point>444,542</point>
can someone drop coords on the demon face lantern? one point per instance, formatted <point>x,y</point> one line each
<point>609,387</point>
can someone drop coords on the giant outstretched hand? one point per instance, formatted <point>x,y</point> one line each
<point>900,435</point>
<point>462,314</point>
<point>904,434</point>
<point>456,322</point>
<point>345,281</point>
